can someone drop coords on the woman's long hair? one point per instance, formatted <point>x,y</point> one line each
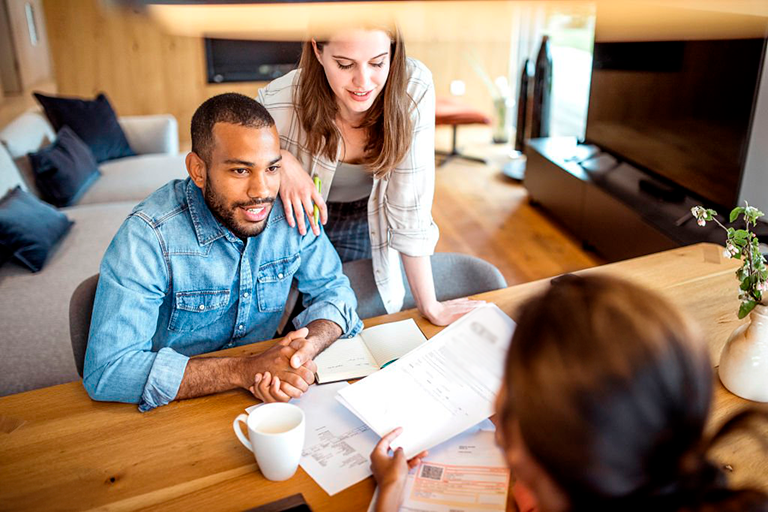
<point>612,387</point>
<point>388,124</point>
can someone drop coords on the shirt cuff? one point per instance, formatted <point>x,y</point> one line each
<point>414,242</point>
<point>164,379</point>
<point>346,317</point>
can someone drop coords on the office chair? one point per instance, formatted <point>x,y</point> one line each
<point>455,275</point>
<point>80,309</point>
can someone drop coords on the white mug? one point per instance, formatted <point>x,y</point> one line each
<point>276,433</point>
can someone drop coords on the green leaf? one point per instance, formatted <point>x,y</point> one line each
<point>741,234</point>
<point>746,307</point>
<point>736,212</point>
<point>745,283</point>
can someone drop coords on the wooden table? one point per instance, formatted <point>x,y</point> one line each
<point>59,450</point>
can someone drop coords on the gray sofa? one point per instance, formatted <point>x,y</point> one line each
<point>35,349</point>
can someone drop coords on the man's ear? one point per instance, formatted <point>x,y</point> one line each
<point>196,169</point>
<point>317,52</point>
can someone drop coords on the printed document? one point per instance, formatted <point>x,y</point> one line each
<point>441,388</point>
<point>337,445</point>
<point>368,352</point>
<point>464,474</point>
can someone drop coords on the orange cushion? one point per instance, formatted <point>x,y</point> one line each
<point>452,111</point>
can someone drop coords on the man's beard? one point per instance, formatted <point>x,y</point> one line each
<point>226,214</point>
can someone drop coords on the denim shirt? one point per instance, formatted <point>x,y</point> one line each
<point>175,282</point>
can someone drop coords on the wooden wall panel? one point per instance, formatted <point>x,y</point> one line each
<point>145,71</point>
<point>122,53</point>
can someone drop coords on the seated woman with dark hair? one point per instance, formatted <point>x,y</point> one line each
<point>604,404</point>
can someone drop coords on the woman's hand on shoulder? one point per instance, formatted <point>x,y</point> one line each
<point>390,471</point>
<point>300,196</point>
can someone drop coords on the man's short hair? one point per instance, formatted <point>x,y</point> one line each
<point>231,108</point>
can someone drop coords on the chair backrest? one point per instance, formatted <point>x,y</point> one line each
<point>80,309</point>
<point>455,275</point>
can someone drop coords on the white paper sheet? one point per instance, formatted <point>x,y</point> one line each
<point>337,446</point>
<point>440,389</point>
<point>464,474</point>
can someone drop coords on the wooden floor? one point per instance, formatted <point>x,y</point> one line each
<point>483,213</point>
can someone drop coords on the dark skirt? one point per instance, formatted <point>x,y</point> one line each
<point>347,228</point>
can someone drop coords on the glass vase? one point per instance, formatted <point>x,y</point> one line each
<point>502,120</point>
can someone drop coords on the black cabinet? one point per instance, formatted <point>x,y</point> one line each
<point>609,205</point>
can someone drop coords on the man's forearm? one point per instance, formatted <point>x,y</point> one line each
<point>208,375</point>
<point>322,333</point>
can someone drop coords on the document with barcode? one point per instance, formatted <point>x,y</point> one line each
<point>465,474</point>
<point>440,389</point>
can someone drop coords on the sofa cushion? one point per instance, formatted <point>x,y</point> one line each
<point>94,121</point>
<point>65,169</point>
<point>34,308</point>
<point>9,174</point>
<point>27,133</point>
<point>30,228</point>
<point>134,178</point>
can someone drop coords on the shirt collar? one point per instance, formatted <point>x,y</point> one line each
<point>207,228</point>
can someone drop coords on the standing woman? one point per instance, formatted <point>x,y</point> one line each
<point>360,116</point>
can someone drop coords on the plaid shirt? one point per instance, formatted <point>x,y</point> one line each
<point>400,206</point>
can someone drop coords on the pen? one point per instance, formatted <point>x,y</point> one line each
<point>319,187</point>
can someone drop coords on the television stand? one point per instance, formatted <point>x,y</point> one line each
<point>615,208</point>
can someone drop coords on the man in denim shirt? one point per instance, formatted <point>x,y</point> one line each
<point>206,264</point>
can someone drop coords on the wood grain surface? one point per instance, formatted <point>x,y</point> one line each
<point>60,450</point>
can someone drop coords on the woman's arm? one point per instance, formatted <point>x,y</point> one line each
<point>418,270</point>
<point>299,195</point>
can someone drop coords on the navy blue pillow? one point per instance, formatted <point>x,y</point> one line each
<point>64,169</point>
<point>29,228</point>
<point>93,121</point>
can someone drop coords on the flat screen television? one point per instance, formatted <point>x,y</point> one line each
<point>236,60</point>
<point>681,110</point>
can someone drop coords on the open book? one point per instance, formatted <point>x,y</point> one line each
<point>372,349</point>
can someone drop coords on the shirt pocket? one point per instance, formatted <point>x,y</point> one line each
<point>274,282</point>
<point>198,309</point>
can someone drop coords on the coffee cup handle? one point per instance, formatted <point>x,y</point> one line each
<point>239,431</point>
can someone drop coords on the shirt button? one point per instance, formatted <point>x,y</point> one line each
<point>201,307</point>
<point>241,327</point>
<point>245,295</point>
<point>279,276</point>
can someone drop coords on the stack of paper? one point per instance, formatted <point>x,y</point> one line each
<point>440,389</point>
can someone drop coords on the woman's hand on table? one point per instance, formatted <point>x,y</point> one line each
<point>299,195</point>
<point>447,312</point>
<point>390,471</point>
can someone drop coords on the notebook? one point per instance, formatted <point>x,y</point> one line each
<point>368,352</point>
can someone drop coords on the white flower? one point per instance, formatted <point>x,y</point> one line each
<point>701,222</point>
<point>726,253</point>
<point>762,286</point>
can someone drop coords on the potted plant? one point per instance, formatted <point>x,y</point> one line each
<point>743,366</point>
